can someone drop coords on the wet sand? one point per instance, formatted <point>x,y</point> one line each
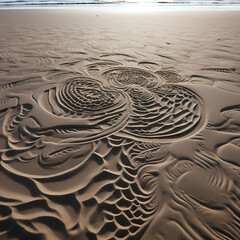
<point>119,124</point>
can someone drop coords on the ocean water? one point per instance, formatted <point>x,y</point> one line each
<point>189,2</point>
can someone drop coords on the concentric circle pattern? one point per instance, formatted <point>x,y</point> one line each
<point>160,111</point>
<point>129,76</point>
<point>81,95</point>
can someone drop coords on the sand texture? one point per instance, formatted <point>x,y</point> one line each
<point>119,125</point>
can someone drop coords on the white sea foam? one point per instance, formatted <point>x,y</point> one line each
<point>55,2</point>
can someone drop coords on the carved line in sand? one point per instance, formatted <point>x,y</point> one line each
<point>231,122</point>
<point>222,70</point>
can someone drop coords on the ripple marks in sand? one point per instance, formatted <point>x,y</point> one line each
<point>20,82</point>
<point>159,111</point>
<point>76,159</point>
<point>170,112</point>
<point>148,65</point>
<point>83,95</point>
<point>86,111</point>
<point>85,104</point>
<point>231,122</point>
<point>105,200</point>
<point>128,76</point>
<point>170,77</point>
<point>67,147</point>
<point>222,70</point>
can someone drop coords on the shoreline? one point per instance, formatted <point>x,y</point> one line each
<point>124,7</point>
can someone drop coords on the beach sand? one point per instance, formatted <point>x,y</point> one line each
<point>119,124</point>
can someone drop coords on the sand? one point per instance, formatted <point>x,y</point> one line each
<point>119,124</point>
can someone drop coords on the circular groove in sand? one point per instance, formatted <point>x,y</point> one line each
<point>161,112</point>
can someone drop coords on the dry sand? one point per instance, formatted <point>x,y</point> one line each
<point>119,125</point>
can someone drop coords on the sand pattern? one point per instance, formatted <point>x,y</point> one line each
<point>135,143</point>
